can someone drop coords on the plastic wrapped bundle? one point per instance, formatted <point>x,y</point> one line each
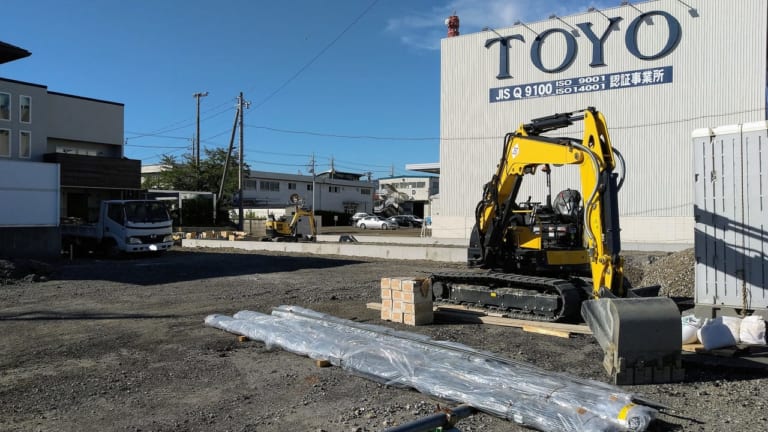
<point>512,390</point>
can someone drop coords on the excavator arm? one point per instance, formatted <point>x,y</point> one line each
<point>297,215</point>
<point>524,151</point>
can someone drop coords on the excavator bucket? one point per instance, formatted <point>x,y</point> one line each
<point>641,338</point>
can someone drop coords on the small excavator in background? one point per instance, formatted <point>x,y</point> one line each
<point>281,229</point>
<point>558,260</point>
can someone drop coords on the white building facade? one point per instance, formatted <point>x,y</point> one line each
<point>657,70</point>
<point>331,191</point>
<point>412,193</point>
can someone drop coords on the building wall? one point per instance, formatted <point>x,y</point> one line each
<point>330,194</point>
<point>418,188</point>
<point>29,193</point>
<point>96,120</point>
<point>718,76</point>
<point>37,126</point>
<point>29,213</point>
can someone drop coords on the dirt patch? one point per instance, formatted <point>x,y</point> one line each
<point>116,345</point>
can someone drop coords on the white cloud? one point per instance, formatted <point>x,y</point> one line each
<point>423,30</point>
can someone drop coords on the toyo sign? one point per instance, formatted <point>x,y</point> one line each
<point>597,43</point>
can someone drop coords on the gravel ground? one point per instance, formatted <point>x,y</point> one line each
<point>119,345</point>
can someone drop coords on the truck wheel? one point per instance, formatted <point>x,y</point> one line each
<point>112,251</point>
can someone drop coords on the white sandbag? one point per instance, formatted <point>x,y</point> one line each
<point>752,330</point>
<point>734,325</point>
<point>714,334</point>
<point>691,326</point>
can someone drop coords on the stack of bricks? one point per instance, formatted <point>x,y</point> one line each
<point>406,300</point>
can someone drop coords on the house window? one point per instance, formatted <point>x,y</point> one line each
<point>309,187</point>
<point>25,109</point>
<point>25,144</point>
<point>334,189</point>
<point>251,184</point>
<point>5,143</point>
<point>291,186</point>
<point>269,186</point>
<point>365,191</point>
<point>5,106</point>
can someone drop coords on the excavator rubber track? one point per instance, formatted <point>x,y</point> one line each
<point>531,298</point>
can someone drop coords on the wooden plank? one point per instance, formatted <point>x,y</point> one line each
<point>322,363</point>
<point>545,331</point>
<point>456,313</point>
<point>694,348</point>
<point>511,322</point>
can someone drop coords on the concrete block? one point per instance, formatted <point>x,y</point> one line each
<point>386,293</point>
<point>386,283</point>
<point>411,285</point>
<point>397,306</point>
<point>386,304</point>
<point>418,319</point>
<point>417,308</point>
<point>397,317</point>
<point>386,314</point>
<point>397,295</point>
<point>416,297</point>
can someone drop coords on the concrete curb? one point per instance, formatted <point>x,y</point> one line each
<point>386,250</point>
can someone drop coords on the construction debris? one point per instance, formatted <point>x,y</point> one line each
<point>512,390</point>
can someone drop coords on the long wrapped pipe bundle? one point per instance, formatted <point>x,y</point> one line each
<point>512,390</point>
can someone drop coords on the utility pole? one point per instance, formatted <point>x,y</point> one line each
<point>197,136</point>
<point>242,104</point>
<point>312,170</point>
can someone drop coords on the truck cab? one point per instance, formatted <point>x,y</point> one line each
<point>124,226</point>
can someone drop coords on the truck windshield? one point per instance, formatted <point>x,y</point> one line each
<point>146,212</point>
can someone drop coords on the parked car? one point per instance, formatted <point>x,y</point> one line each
<point>406,221</point>
<point>375,222</point>
<point>357,216</point>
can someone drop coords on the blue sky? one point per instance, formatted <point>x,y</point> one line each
<point>356,82</point>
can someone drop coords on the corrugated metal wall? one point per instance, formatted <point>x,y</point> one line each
<point>731,212</point>
<point>719,77</point>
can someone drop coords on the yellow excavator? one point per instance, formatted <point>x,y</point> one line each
<point>281,229</point>
<point>561,260</point>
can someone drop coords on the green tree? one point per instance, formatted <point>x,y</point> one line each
<point>182,174</point>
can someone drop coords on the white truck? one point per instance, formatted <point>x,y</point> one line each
<point>123,226</point>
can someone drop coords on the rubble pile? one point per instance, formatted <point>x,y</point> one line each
<point>14,271</point>
<point>674,272</point>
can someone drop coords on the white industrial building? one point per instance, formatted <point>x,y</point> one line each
<point>409,194</point>
<point>657,70</point>
<point>331,191</point>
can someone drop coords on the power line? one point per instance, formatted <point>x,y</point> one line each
<point>330,135</point>
<point>157,147</point>
<point>187,123</point>
<point>317,56</point>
